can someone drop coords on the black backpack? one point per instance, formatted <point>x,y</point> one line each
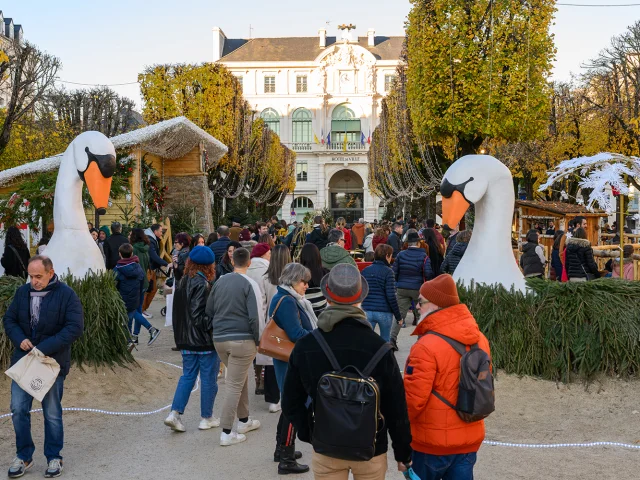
<point>346,410</point>
<point>476,396</point>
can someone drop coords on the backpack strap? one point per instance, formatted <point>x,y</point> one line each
<point>326,349</point>
<point>382,351</point>
<point>456,345</point>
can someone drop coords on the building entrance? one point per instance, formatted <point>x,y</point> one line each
<point>346,193</point>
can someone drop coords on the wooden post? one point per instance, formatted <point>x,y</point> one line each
<point>621,229</point>
<point>135,185</point>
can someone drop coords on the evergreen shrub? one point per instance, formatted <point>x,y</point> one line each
<point>104,342</point>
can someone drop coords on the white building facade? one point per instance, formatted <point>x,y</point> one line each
<point>322,97</point>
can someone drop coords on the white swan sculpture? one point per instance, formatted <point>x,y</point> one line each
<point>487,183</point>
<point>90,159</point>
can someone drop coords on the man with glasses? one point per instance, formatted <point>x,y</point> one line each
<point>335,253</point>
<point>444,446</point>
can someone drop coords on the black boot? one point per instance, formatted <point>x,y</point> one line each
<point>276,454</point>
<point>288,462</point>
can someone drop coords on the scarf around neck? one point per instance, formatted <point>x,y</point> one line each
<point>36,301</point>
<point>304,304</point>
<point>334,314</point>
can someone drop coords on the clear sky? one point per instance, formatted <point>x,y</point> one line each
<point>111,42</point>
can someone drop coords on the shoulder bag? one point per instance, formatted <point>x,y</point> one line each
<point>274,342</point>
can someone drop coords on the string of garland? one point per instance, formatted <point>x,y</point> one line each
<point>154,191</point>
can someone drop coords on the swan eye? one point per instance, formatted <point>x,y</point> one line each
<point>447,188</point>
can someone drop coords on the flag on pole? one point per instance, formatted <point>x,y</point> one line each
<point>362,139</point>
<point>315,138</point>
<point>322,136</point>
<point>329,138</point>
<point>369,137</point>
<point>344,144</point>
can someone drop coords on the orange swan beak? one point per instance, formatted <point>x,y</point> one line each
<point>453,209</point>
<point>99,187</point>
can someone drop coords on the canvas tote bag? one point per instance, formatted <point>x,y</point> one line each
<point>35,373</point>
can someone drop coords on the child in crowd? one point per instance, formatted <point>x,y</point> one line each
<point>130,283</point>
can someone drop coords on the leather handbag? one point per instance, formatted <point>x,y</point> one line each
<point>274,342</point>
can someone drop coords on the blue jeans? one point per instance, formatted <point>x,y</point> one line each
<point>139,321</point>
<point>280,368</point>
<point>444,467</point>
<point>52,410</point>
<point>384,320</point>
<point>207,365</point>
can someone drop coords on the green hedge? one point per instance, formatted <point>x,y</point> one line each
<point>561,331</point>
<point>104,341</point>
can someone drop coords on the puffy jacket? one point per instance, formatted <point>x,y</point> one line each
<point>358,234</point>
<point>627,270</point>
<point>395,242</point>
<point>412,268</point>
<point>433,364</point>
<point>451,243</point>
<point>382,295</point>
<point>15,265</point>
<point>579,260</point>
<point>378,240</point>
<point>317,237</point>
<point>141,250</point>
<point>333,255</point>
<point>223,268</point>
<point>219,247</point>
<point>130,282</point>
<point>290,316</point>
<point>190,325</point>
<point>111,247</point>
<point>348,244</point>
<point>367,243</point>
<point>530,261</point>
<point>61,323</point>
<point>452,260</point>
<point>155,261</point>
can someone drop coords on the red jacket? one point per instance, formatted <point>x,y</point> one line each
<point>433,364</point>
<point>378,240</point>
<point>347,238</point>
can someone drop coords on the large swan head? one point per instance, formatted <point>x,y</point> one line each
<point>95,161</point>
<point>465,183</point>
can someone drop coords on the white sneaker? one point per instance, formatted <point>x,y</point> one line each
<point>274,407</point>
<point>207,423</point>
<point>146,314</point>
<point>232,438</point>
<point>247,427</point>
<point>173,421</point>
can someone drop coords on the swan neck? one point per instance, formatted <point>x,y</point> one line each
<point>68,211</point>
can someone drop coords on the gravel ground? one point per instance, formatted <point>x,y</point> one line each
<point>528,410</point>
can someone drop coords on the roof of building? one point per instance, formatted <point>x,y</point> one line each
<point>169,139</point>
<point>300,49</point>
<point>560,208</point>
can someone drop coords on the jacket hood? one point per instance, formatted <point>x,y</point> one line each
<point>141,247</point>
<point>149,233</point>
<point>529,246</point>
<point>334,314</point>
<point>333,254</point>
<point>127,261</point>
<point>129,270</point>
<point>580,242</point>
<point>359,227</point>
<point>455,322</point>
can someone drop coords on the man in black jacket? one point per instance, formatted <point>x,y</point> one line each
<point>112,245</point>
<point>154,234</point>
<point>395,239</point>
<point>318,236</point>
<point>47,314</point>
<point>345,327</point>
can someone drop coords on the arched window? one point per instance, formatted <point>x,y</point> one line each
<point>302,132</point>
<point>301,202</point>
<point>344,122</point>
<point>271,119</point>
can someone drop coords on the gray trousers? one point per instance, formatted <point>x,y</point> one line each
<point>405,297</point>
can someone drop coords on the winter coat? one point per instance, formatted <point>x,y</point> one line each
<point>353,342</point>
<point>290,316</point>
<point>61,323</point>
<point>234,233</point>
<point>452,260</point>
<point>333,255</point>
<point>412,268</point>
<point>433,365</point>
<point>382,295</point>
<point>367,244</point>
<point>358,234</point>
<point>317,237</point>
<point>141,250</point>
<point>452,243</point>
<point>190,325</point>
<point>556,263</point>
<point>348,244</point>
<point>111,247</point>
<point>15,265</point>
<point>130,282</point>
<point>219,247</point>
<point>627,269</point>
<point>257,272</point>
<point>378,240</point>
<point>530,261</point>
<point>155,262</point>
<point>579,260</point>
<point>183,256</point>
<point>223,268</point>
<point>396,243</point>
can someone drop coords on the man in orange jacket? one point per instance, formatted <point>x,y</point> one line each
<point>444,446</point>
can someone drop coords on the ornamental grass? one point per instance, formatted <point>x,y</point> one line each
<point>104,342</point>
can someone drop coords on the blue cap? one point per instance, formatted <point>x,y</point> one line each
<point>202,256</point>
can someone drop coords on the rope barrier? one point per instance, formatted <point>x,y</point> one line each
<point>108,412</point>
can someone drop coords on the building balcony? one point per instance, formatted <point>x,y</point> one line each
<point>301,147</point>
<point>334,146</point>
<point>351,146</point>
